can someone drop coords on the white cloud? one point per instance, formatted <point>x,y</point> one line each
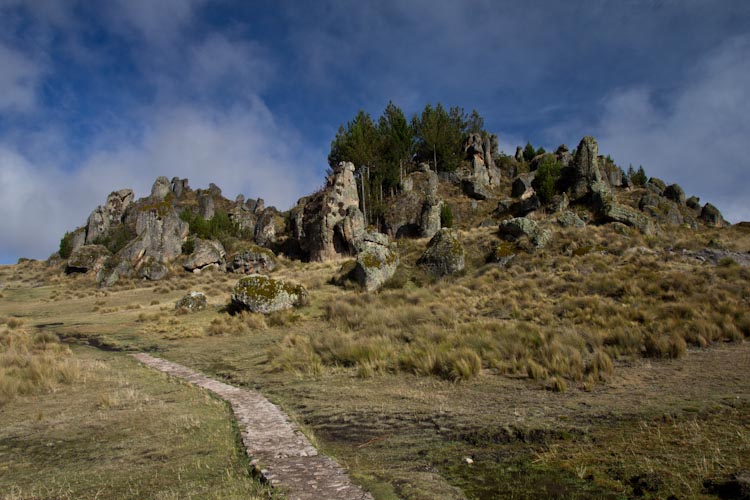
<point>19,78</point>
<point>698,138</point>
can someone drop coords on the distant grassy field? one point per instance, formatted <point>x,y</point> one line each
<point>604,366</point>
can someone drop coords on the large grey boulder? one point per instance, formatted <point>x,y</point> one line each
<point>377,261</point>
<point>521,185</point>
<point>206,206</point>
<point>332,221</point>
<point>525,205</point>
<point>675,193</point>
<point>570,219</point>
<point>87,258</point>
<point>520,227</point>
<point>192,302</point>
<point>445,254</point>
<point>615,212</point>
<point>252,259</point>
<point>161,188</point>
<point>206,253</point>
<point>711,216</point>
<point>475,188</point>
<point>656,185</point>
<point>429,222</point>
<point>265,227</point>
<point>261,294</point>
<point>585,167</point>
<point>105,216</point>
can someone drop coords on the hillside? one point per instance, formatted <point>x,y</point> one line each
<point>531,326</point>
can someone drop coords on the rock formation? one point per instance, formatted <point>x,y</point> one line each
<point>252,259</point>
<point>415,212</point>
<point>105,216</point>
<point>522,227</point>
<point>161,188</point>
<point>88,258</point>
<point>261,294</point>
<point>377,261</point>
<point>192,302</point>
<point>205,253</point>
<point>445,254</point>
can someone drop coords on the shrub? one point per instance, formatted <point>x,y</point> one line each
<point>446,216</point>
<point>116,238</point>
<point>66,245</point>
<point>547,177</point>
<point>639,177</point>
<point>529,152</point>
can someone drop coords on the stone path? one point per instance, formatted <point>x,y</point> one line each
<point>281,453</point>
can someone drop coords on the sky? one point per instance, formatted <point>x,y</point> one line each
<point>98,96</point>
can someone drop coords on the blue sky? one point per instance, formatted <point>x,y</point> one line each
<point>97,96</point>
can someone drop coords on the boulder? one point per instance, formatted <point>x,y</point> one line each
<point>158,235</point>
<point>656,185</point>
<point>559,203</point>
<point>261,294</point>
<point>152,269</point>
<point>114,269</point>
<point>332,220</point>
<point>179,186</point>
<point>614,212</point>
<point>711,216</point>
<point>570,219</point>
<point>475,188</point>
<point>265,228</point>
<point>87,258</point>
<point>675,193</point>
<point>377,261</point>
<point>78,239</point>
<point>649,199</point>
<point>520,227</point>
<point>252,260</point>
<point>206,206</point>
<point>107,215</point>
<point>192,302</point>
<point>206,253</point>
<point>444,255</point>
<point>693,203</point>
<point>521,185</point>
<point>429,221</point>
<point>214,190</point>
<point>161,188</point>
<point>525,206</point>
<point>585,170</point>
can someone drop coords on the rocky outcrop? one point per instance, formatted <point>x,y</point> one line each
<point>332,220</point>
<point>445,254</point>
<point>522,185</point>
<point>415,212</point>
<point>693,203</point>
<point>179,186</point>
<point>261,294</point>
<point>161,188</point>
<point>525,205</point>
<point>105,216</point>
<point>192,302</point>
<point>483,173</point>
<point>675,193</point>
<point>377,261</point>
<point>615,212</point>
<point>522,227</point>
<point>585,167</point>
<point>152,269</point>
<point>206,253</point>
<point>475,188</point>
<point>158,235</point>
<point>265,227</point>
<point>206,206</point>
<point>711,216</point>
<point>656,185</point>
<point>252,259</point>
<point>87,258</point>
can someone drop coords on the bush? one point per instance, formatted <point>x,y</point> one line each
<point>66,245</point>
<point>446,216</point>
<point>116,238</point>
<point>639,177</point>
<point>547,177</point>
<point>529,152</point>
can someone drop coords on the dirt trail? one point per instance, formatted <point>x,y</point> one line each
<point>281,453</point>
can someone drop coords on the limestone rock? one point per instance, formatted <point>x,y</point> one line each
<point>570,219</point>
<point>78,239</point>
<point>559,203</point>
<point>614,212</point>
<point>332,221</point>
<point>445,254</point>
<point>252,260</point>
<point>192,302</point>
<point>675,193</point>
<point>159,235</point>
<point>113,270</point>
<point>206,253</point>
<point>206,206</point>
<point>161,188</point>
<point>87,258</point>
<point>377,261</point>
<point>179,186</point>
<point>711,216</point>
<point>261,294</point>
<point>519,227</point>
<point>107,215</point>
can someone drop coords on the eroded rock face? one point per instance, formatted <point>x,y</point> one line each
<point>161,188</point>
<point>265,228</point>
<point>179,186</point>
<point>252,260</point>
<point>377,261</point>
<point>87,258</point>
<point>261,294</point>
<point>445,254</point>
<point>585,167</point>
<point>192,302</point>
<point>415,212</point>
<point>152,269</point>
<point>206,206</point>
<point>206,253</point>
<point>519,227</point>
<point>105,216</point>
<point>711,216</point>
<point>614,212</point>
<point>332,220</point>
<point>158,235</point>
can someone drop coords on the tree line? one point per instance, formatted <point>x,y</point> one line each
<point>386,149</point>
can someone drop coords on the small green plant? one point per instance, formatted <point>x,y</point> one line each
<point>547,177</point>
<point>529,152</point>
<point>446,216</point>
<point>638,177</point>
<point>66,245</point>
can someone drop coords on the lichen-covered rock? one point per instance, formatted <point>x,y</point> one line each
<point>161,188</point>
<point>614,212</point>
<point>675,193</point>
<point>585,167</point>
<point>514,229</point>
<point>105,216</point>
<point>252,260</point>
<point>504,253</point>
<point>377,261</point>
<point>114,269</point>
<point>206,253</point>
<point>570,219</point>
<point>158,235</point>
<point>711,216</point>
<point>445,254</point>
<point>192,302</point>
<point>656,185</point>
<point>332,221</point>
<point>87,258</point>
<point>261,294</point>
<point>415,212</point>
<point>265,228</point>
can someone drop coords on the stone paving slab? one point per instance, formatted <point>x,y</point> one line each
<point>277,449</point>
